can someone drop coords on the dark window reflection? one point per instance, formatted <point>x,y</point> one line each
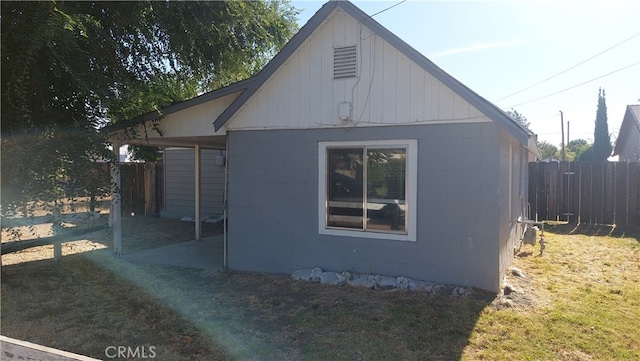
<point>345,190</point>
<point>385,201</point>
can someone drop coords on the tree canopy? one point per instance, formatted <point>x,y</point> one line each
<point>518,117</point>
<point>69,68</point>
<point>573,150</point>
<point>547,150</point>
<point>576,148</point>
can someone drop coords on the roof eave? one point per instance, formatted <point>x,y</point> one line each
<point>173,108</point>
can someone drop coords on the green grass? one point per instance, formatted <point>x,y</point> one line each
<point>582,303</point>
<point>591,285</point>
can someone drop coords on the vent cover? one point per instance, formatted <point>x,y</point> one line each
<point>344,62</point>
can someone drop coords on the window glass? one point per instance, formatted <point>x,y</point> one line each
<point>345,188</point>
<point>386,174</point>
<point>368,189</point>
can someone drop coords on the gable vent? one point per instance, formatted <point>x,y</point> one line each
<point>344,62</point>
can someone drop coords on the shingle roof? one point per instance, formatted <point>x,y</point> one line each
<point>486,107</point>
<point>635,113</point>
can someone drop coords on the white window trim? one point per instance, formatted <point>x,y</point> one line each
<point>411,192</point>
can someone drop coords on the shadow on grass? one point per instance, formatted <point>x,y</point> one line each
<point>78,306</point>
<point>87,302</point>
<point>597,230</point>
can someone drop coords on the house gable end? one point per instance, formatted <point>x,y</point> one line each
<point>461,95</point>
<point>388,87</point>
<point>629,129</point>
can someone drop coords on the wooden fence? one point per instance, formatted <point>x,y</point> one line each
<point>586,192</point>
<point>141,188</point>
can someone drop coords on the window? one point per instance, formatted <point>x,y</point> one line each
<point>368,189</point>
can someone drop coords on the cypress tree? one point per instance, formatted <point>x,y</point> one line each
<point>601,138</point>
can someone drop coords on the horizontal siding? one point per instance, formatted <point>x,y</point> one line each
<point>390,88</point>
<point>179,199</point>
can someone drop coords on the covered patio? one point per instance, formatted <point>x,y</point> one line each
<point>187,124</point>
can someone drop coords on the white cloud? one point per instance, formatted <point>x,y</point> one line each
<point>479,47</point>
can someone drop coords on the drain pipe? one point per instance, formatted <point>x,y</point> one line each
<point>224,206</point>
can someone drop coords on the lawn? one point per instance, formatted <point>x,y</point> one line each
<point>579,301</point>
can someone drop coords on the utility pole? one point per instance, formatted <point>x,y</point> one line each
<point>562,131</point>
<point>568,141</point>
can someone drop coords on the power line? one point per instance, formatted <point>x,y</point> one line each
<point>575,86</point>
<point>390,7</point>
<point>572,67</point>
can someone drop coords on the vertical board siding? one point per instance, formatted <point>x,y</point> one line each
<point>389,87</point>
<point>179,183</point>
<point>586,192</point>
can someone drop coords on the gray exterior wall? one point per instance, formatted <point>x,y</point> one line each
<point>179,183</point>
<point>631,150</point>
<point>273,205</point>
<point>513,165</point>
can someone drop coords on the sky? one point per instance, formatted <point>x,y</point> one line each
<point>498,48</point>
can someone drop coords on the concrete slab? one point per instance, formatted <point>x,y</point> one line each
<point>205,254</point>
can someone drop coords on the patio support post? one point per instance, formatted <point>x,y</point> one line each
<point>197,186</point>
<point>116,204</point>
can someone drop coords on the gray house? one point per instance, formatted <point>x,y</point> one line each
<point>628,142</point>
<point>352,151</point>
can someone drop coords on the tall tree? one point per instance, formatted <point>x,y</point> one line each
<point>601,137</point>
<point>69,68</point>
<point>518,117</point>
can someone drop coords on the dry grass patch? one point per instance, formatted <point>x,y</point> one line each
<point>580,301</point>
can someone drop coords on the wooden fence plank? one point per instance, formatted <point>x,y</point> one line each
<point>608,192</point>
<point>574,191</point>
<point>563,167</point>
<point>634,194</point>
<point>551,179</point>
<point>542,191</point>
<point>597,181</point>
<point>585,193</point>
<point>621,194</point>
<point>533,190</point>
